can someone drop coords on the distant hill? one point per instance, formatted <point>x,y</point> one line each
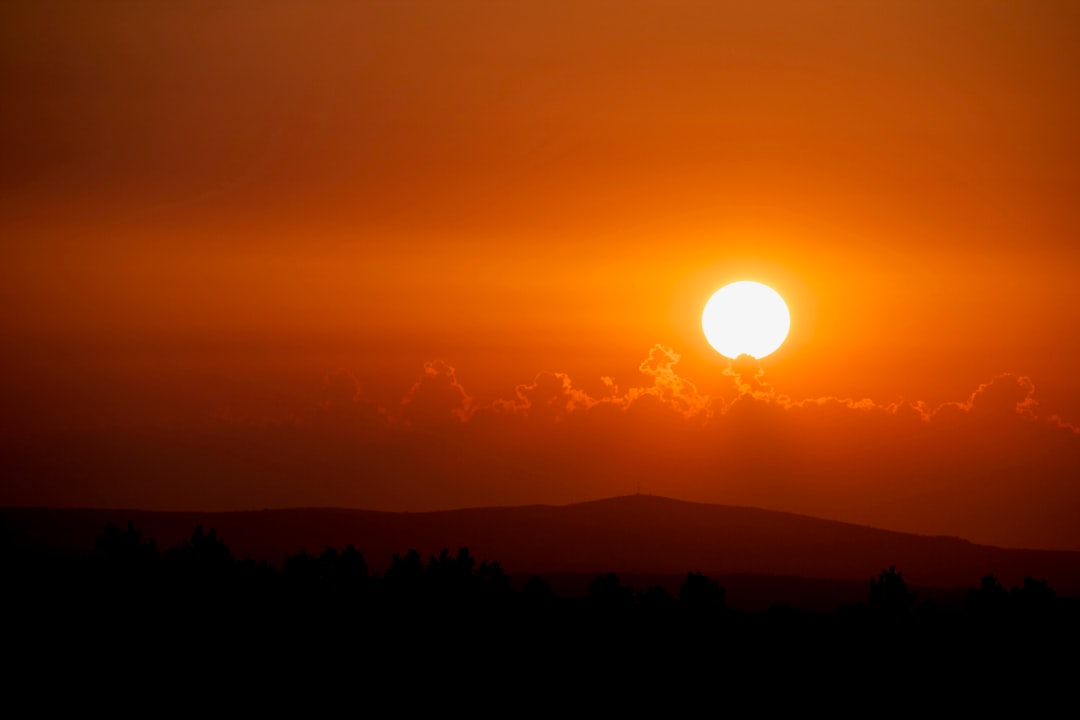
<point>634,535</point>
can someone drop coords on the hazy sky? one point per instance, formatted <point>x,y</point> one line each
<point>233,233</point>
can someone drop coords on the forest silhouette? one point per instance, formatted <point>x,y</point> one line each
<point>453,613</point>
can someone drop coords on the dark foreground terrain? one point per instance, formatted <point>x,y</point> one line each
<point>129,615</point>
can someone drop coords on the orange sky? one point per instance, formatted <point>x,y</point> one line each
<point>233,233</point>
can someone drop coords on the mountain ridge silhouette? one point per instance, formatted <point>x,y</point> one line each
<point>630,534</point>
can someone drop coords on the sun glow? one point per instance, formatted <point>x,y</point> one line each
<point>746,318</point>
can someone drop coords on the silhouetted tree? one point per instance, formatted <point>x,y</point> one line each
<point>990,599</point>
<point>538,589</point>
<point>494,583</point>
<point>124,553</point>
<point>350,570</point>
<point>332,570</point>
<point>889,594</point>
<point>1035,598</point>
<point>656,600</point>
<point>351,563</point>
<point>606,590</point>
<point>451,575</point>
<point>302,567</point>
<point>126,571</point>
<point>700,592</point>
<point>203,558</point>
<point>405,576</point>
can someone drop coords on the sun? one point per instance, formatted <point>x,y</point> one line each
<point>746,318</point>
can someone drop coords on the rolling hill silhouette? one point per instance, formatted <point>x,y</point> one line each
<point>636,535</point>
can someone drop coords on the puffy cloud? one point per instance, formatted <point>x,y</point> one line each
<point>1064,425</point>
<point>437,398</point>
<point>748,373</point>
<point>668,387</point>
<point>550,397</point>
<point>1006,394</point>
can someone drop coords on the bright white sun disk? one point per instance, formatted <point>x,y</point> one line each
<point>746,318</point>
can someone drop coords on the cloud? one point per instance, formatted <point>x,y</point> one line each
<point>668,388</point>
<point>1064,425</point>
<point>437,398</point>
<point>551,397</point>
<point>1006,395</point>
<point>748,373</point>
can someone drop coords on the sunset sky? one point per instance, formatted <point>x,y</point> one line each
<point>427,255</point>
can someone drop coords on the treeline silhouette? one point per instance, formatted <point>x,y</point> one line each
<point>437,611</point>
